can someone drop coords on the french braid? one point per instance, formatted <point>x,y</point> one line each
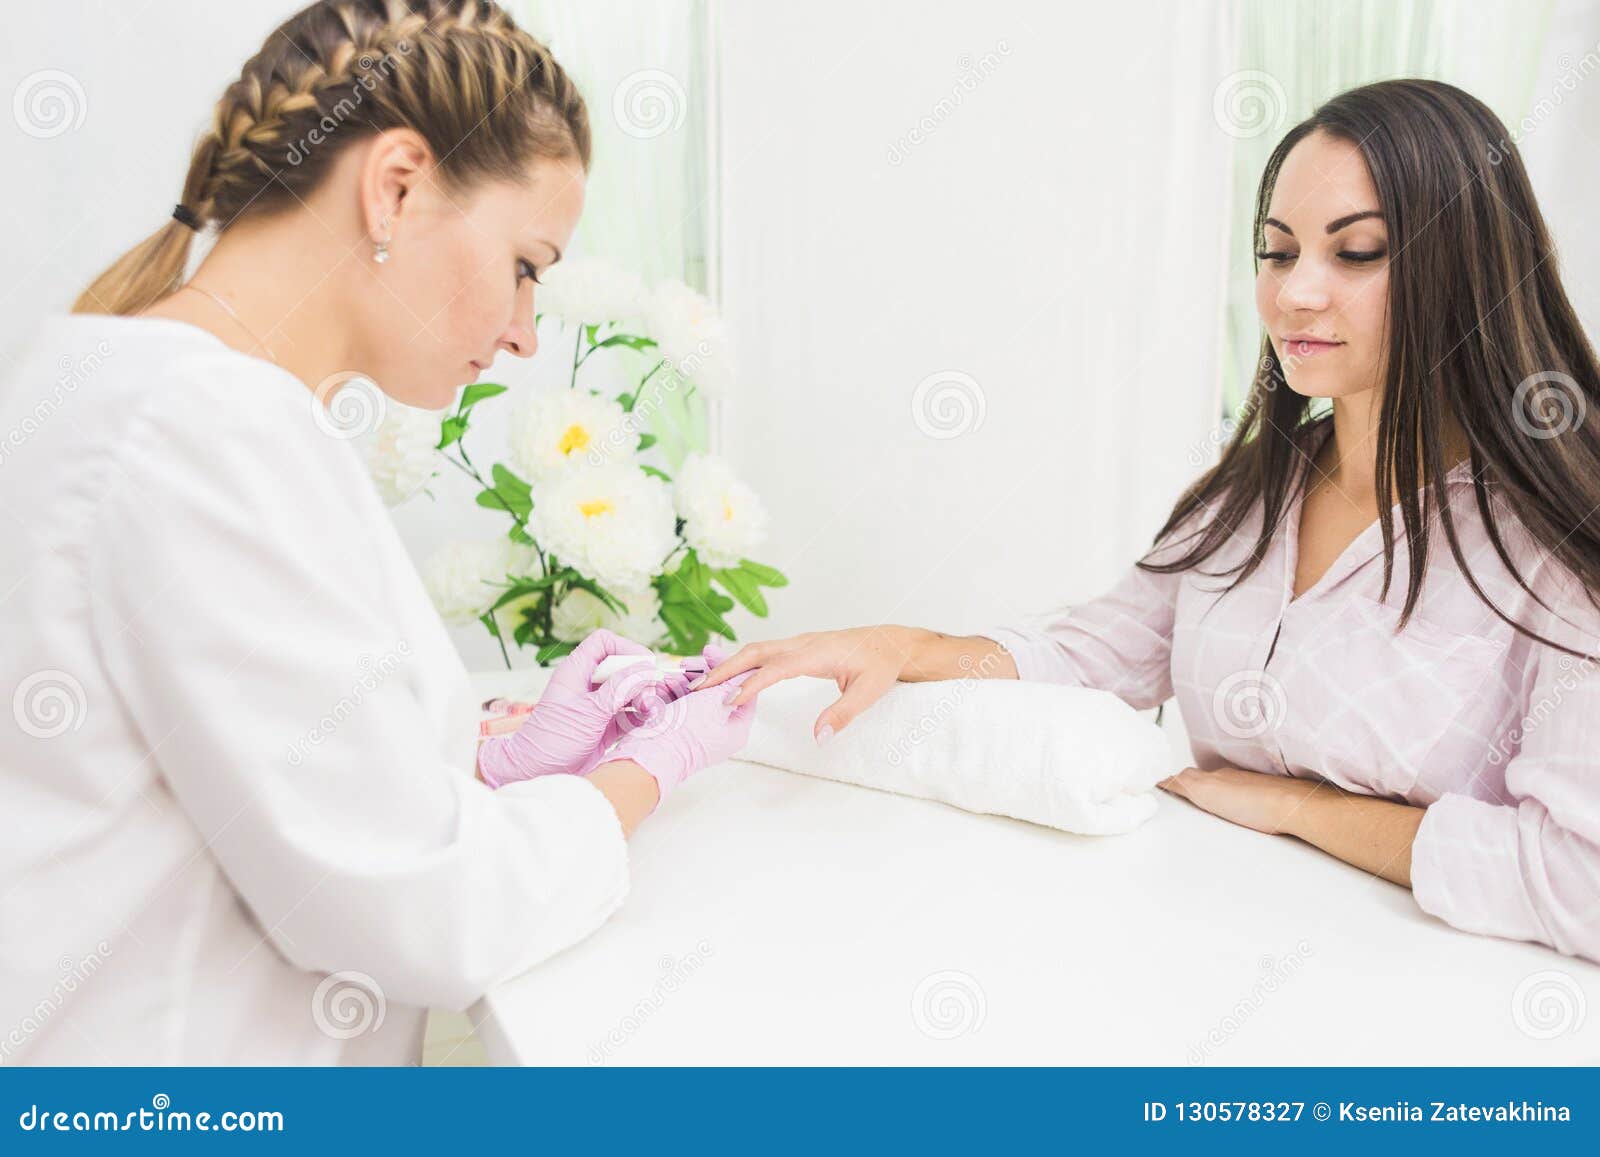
<point>487,97</point>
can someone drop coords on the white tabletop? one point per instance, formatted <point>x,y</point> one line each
<point>780,919</point>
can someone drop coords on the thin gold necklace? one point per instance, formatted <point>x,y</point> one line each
<point>228,309</point>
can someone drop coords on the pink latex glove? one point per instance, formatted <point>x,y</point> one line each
<point>573,723</point>
<point>674,741</point>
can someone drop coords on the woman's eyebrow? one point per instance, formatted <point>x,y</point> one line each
<point>1335,226</point>
<point>1332,226</point>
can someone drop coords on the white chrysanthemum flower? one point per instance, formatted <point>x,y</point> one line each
<point>724,519</point>
<point>580,614</point>
<point>590,290</point>
<point>560,427</point>
<point>689,333</point>
<point>465,578</point>
<point>613,523</point>
<point>400,454</point>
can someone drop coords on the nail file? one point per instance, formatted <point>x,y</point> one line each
<point>694,666</point>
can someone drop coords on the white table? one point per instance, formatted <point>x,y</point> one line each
<point>780,919</point>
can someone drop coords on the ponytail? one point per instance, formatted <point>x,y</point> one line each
<point>154,268</point>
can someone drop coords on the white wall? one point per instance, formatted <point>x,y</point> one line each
<point>1054,236</point>
<point>144,79</point>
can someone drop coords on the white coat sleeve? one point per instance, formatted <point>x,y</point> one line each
<point>237,607</point>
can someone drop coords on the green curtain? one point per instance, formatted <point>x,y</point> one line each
<point>1295,54</point>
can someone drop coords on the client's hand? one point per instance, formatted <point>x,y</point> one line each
<point>573,723</point>
<point>674,740</point>
<point>864,662</point>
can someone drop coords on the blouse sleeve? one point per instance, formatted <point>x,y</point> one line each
<point>1120,642</point>
<point>236,602</point>
<point>1528,867</point>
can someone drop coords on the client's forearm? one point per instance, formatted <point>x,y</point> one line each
<point>935,655</point>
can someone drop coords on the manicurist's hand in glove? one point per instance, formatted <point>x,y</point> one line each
<point>636,736</point>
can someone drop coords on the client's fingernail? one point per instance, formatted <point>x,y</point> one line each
<point>825,733</point>
<point>697,682</point>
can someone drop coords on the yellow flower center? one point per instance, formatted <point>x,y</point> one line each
<point>575,438</point>
<point>596,506</point>
<point>727,511</point>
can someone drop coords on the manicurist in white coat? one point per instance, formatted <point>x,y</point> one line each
<point>243,823</point>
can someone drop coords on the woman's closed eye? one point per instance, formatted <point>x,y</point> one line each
<point>525,269</point>
<point>1355,257</point>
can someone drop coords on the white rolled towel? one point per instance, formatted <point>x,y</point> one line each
<point>1066,757</point>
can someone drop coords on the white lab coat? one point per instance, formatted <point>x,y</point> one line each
<point>241,819</point>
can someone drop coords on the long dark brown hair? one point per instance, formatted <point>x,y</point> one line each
<point>1480,331</point>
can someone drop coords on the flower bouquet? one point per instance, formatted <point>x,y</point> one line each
<point>599,534</point>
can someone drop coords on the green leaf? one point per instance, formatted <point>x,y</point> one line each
<point>703,615</point>
<point>687,638</point>
<point>521,588</point>
<point>476,393</point>
<point>661,474</point>
<point>497,499</point>
<point>646,441</point>
<point>632,341</point>
<point>626,401</point>
<point>576,580</point>
<point>507,482</point>
<point>450,431</point>
<point>519,536</point>
<point>765,575</point>
<point>744,588</point>
<point>555,651</point>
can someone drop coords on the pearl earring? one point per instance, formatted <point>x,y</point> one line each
<point>380,251</point>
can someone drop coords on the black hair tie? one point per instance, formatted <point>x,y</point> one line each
<point>185,215</point>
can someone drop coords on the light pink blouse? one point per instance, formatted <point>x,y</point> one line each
<point>1496,735</point>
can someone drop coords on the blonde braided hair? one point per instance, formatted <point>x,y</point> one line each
<point>487,97</point>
